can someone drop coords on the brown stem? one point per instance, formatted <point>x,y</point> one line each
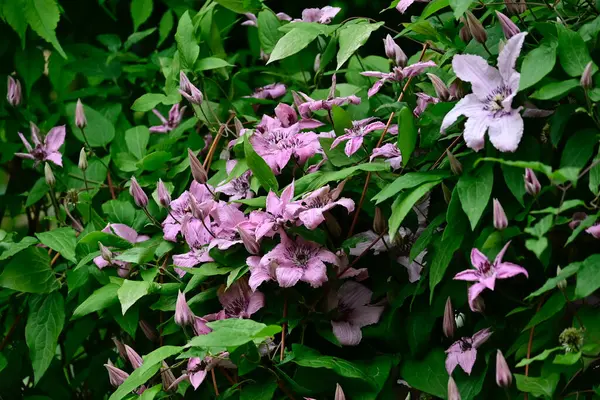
<point>54,259</point>
<point>213,146</point>
<point>226,375</point>
<point>365,251</point>
<point>385,130</point>
<point>441,158</point>
<point>110,186</point>
<point>283,326</point>
<point>530,344</point>
<point>10,332</point>
<point>214,380</point>
<point>285,390</point>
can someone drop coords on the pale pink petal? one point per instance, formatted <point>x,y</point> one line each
<point>475,129</point>
<point>354,295</point>
<point>315,273</point>
<point>196,378</point>
<point>328,257</point>
<point>346,333</point>
<point>25,142</point>
<point>339,140</point>
<point>353,145</point>
<point>470,275</point>
<point>451,362</point>
<point>365,315</point>
<point>25,155</point>
<point>403,5</point>
<point>489,281</point>
<point>474,291</point>
<point>255,303</point>
<point>347,203</point>
<point>508,58</point>
<point>467,106</point>
<point>594,231</point>
<point>55,138</point>
<point>375,88</point>
<point>417,68</point>
<point>506,270</point>
<point>101,262</point>
<point>312,218</point>
<point>500,255</point>
<point>474,69</point>
<point>481,337</point>
<point>506,131</point>
<point>55,157</point>
<point>478,259</point>
<point>466,360</point>
<point>288,276</point>
<point>187,260</point>
<point>123,231</point>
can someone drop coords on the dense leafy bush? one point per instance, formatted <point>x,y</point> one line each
<point>224,200</point>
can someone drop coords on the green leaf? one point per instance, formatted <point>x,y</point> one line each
<point>426,237</point>
<point>233,333</point>
<point>119,211</point>
<point>259,391</point>
<point>148,101</point>
<point>260,169</point>
<point>30,66</point>
<point>540,357</point>
<point>61,240</point>
<point>474,191</point>
<point>534,165</point>
<point>538,386</point>
<point>140,12</point>
<point>131,291</point>
<point>37,192</point>
<point>428,374</point>
<point>137,139</point>
<point>433,7</point>
<point>137,255</point>
<point>459,7</point>
<point>13,248</point>
<point>137,37</point>
<point>444,251</point>
<point>555,89</point>
<point>352,37</point>
<point>538,63</point>
<point>551,283</point>
<point>240,6</point>
<point>594,183</point>
<point>165,26</point>
<point>186,42</point>
<point>99,130</point>
<point>579,149</point>
<point>341,121</point>
<point>408,181</point>
<point>150,394</point>
<point>208,63</point>
<point>268,30</point>
<point>42,16</point>
<point>44,324</point>
<point>554,304</point>
<point>12,12</point>
<point>404,203</point>
<point>102,298</point>
<point>407,134</point>
<point>337,157</point>
<point>294,41</point>
<point>567,358</point>
<point>29,271</point>
<point>588,277</point>
<point>572,51</point>
<point>316,180</point>
<point>154,161</point>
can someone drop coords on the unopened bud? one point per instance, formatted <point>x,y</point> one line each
<point>183,314</point>
<point>562,284</point>
<point>189,91</point>
<point>164,198</point>
<point>134,358</point>
<point>150,333</point>
<point>120,348</point>
<point>167,376</point>
<point>476,28</point>
<point>49,175</point>
<point>136,191</point>
<point>509,28</point>
<point>249,241</point>
<point>447,193</point>
<point>455,165</point>
<point>532,185</point>
<point>449,323</point>
<point>297,99</point>
<point>198,171</point>
<point>83,162</point>
<point>333,85</point>
<point>515,6</point>
<point>460,320</point>
<point>453,393</point>
<point>239,127</point>
<point>14,93</point>
<point>465,33</point>
<point>441,90</point>
<point>586,77</point>
<point>105,252</point>
<point>80,120</point>
<point>503,375</point>
<point>317,63</point>
<point>577,219</point>
<point>478,305</point>
<point>456,89</point>
<point>500,220</point>
<point>339,393</point>
<point>394,52</point>
<point>380,223</point>
<point>116,376</point>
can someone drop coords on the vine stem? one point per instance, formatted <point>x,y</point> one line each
<point>385,130</point>
<point>214,380</point>
<point>108,178</point>
<point>530,344</point>
<point>283,327</point>
<point>365,251</point>
<point>11,330</point>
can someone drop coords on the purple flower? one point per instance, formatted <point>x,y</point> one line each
<point>124,232</point>
<point>354,136</point>
<point>239,301</point>
<point>532,184</point>
<point>314,204</point>
<point>277,146</point>
<point>280,211</point>
<point>490,104</point>
<point>227,220</point>
<point>353,312</point>
<point>344,271</point>
<point>397,75</point>
<point>308,105</point>
<point>116,376</point>
<point>183,314</point>
<point>292,261</point>
<point>45,149</point>
<point>253,21</point>
<point>237,188</point>
<point>594,231</point>
<point>190,92</point>
<point>80,119</point>
<point>197,369</point>
<point>389,151</point>
<point>139,197</point>
<point>196,255</point>
<point>272,91</point>
<point>285,116</point>
<point>423,100</point>
<point>321,15</point>
<point>486,273</point>
<point>13,92</point>
<point>403,5</point>
<point>463,352</point>
<point>175,116</point>
<point>181,210</point>
<point>509,28</point>
<point>394,52</point>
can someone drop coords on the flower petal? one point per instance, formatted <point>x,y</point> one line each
<point>353,145</point>
<point>467,106</point>
<point>466,360</point>
<point>312,218</point>
<point>470,275</point>
<point>484,78</point>
<point>451,362</point>
<point>508,58</point>
<point>478,259</point>
<point>474,292</point>
<point>288,276</point>
<point>508,270</point>
<point>506,131</point>
<point>315,273</point>
<point>346,333</point>
<point>55,138</point>
<point>475,129</point>
<point>255,303</point>
<point>197,378</point>
<point>365,315</point>
<point>481,337</point>
<point>403,5</point>
<point>354,295</point>
<point>55,157</point>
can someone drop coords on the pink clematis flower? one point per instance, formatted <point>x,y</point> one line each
<point>237,188</point>
<point>46,149</point>
<point>124,232</point>
<point>486,273</point>
<point>307,105</point>
<point>403,5</point>
<point>594,231</point>
<point>272,91</point>
<point>423,100</point>
<point>292,261</point>
<point>175,116</point>
<point>197,369</point>
<point>196,255</point>
<point>314,204</point>
<point>397,75</point>
<point>280,211</point>
<point>353,312</point>
<point>239,301</point>
<point>390,152</point>
<point>463,352</point>
<point>181,209</point>
<point>354,136</point>
<point>490,104</point>
<point>320,15</point>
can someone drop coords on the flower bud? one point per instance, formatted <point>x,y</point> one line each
<point>183,314</point>
<point>394,52</point>
<point>164,198</point>
<point>116,376</point>
<point>455,165</point>
<point>333,85</point>
<point>577,218</point>
<point>189,91</point>
<point>500,220</point>
<point>562,284</point>
<point>139,197</point>
<point>465,33</point>
<point>503,375</point>
<point>80,120</point>
<point>49,175</point>
<point>339,393</point>
<point>297,99</point>
<point>478,305</point>
<point>249,241</point>
<point>198,171</point>
<point>571,339</point>
<point>83,163</point>
<point>134,358</point>
<point>332,224</point>
<point>460,320</point>
<point>476,28</point>
<point>380,224</point>
<point>456,89</point>
<point>532,185</point>
<point>441,90</point>
<point>150,333</point>
<point>105,253</point>
<point>239,127</point>
<point>317,63</point>
<point>447,193</point>
<point>449,324</point>
<point>453,393</point>
<point>167,376</point>
<point>586,78</point>
<point>120,348</point>
<point>515,6</point>
<point>14,93</point>
<point>200,327</point>
<point>509,28</point>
